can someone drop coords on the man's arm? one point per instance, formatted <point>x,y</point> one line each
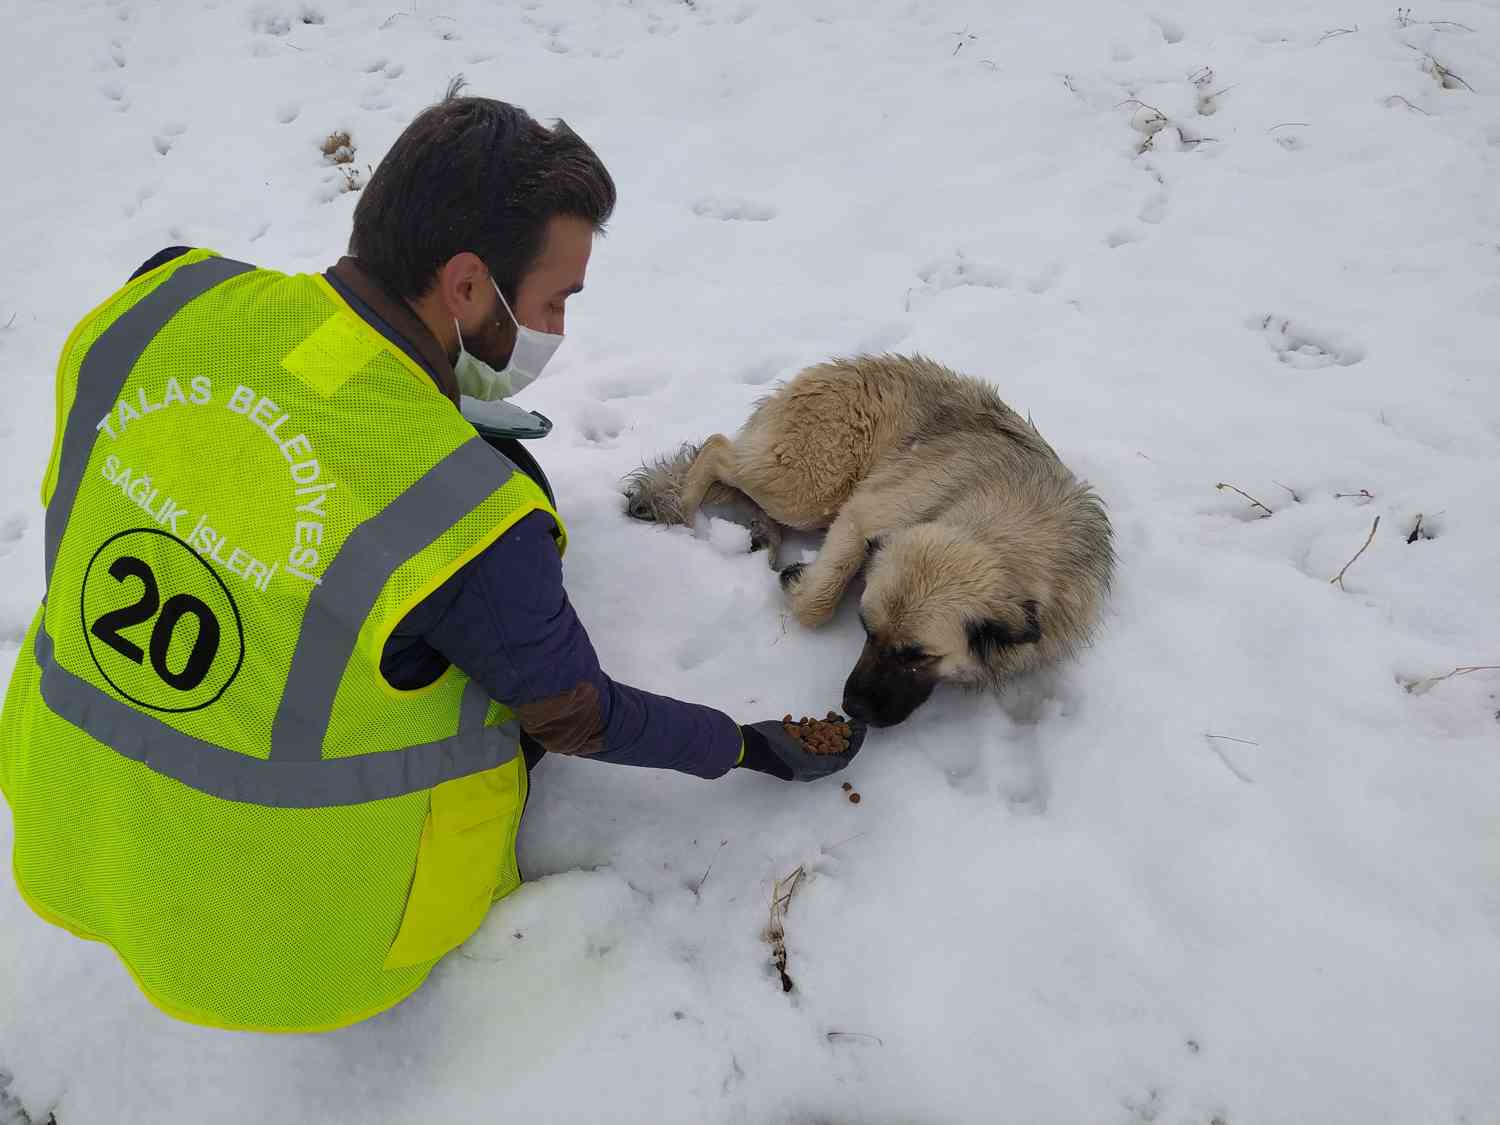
<point>506,621</point>
<point>160,258</point>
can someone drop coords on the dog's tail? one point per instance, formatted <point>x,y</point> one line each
<point>654,491</point>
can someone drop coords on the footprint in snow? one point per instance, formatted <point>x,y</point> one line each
<point>287,112</point>
<point>384,66</point>
<point>114,91</point>
<point>1300,346</point>
<point>631,386</point>
<point>959,271</point>
<point>164,140</point>
<point>600,423</point>
<point>267,22</point>
<point>732,209</point>
<point>1170,29</point>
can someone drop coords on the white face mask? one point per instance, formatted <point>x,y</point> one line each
<point>533,349</point>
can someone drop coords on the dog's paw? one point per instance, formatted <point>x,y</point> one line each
<point>809,611</point>
<point>637,507</point>
<point>653,493</point>
<point>765,535</point>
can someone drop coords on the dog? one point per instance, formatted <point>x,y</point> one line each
<point>983,556</point>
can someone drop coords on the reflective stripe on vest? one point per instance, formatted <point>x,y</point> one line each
<point>342,600</point>
<point>289,785</point>
<point>297,775</point>
<point>106,367</point>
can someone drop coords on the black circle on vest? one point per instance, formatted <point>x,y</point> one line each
<point>88,636</point>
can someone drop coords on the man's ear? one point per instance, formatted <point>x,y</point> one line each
<point>988,637</point>
<point>463,288</point>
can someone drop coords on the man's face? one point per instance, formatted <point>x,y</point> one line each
<point>542,297</point>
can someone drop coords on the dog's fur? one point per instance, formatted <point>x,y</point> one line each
<point>983,556</point>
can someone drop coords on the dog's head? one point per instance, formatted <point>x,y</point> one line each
<point>938,607</point>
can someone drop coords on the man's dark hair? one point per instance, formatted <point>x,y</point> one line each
<point>479,175</point>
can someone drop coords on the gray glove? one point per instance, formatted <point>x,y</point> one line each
<point>769,749</point>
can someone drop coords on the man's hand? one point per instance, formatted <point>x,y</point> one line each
<point>769,749</point>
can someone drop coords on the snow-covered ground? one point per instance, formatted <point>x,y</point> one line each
<point>1240,863</point>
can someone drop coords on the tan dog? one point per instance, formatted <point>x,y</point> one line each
<point>983,556</point>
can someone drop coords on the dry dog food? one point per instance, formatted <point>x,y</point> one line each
<point>820,736</point>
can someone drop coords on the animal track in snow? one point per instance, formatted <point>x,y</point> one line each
<point>112,59</point>
<point>631,386</point>
<point>1122,236</point>
<point>732,209</point>
<point>1304,348</point>
<point>114,90</point>
<point>1154,210</point>
<point>1170,29</point>
<point>142,197</point>
<point>599,423</point>
<point>12,528</point>
<point>959,271</point>
<point>287,112</point>
<point>164,140</point>
<point>267,22</point>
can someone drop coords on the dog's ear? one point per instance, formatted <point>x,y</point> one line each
<point>988,637</point>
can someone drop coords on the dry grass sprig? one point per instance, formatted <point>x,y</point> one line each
<point>1221,486</point>
<point>1339,577</point>
<point>781,900</point>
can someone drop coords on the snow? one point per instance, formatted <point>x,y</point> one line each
<point>1224,867</point>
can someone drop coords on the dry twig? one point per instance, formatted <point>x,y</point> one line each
<point>1339,577</point>
<point>1417,687</point>
<point>1295,498</point>
<point>1229,765</point>
<point>1446,78</point>
<point>781,900</point>
<point>1362,494</point>
<point>1231,738</point>
<point>1416,530</point>
<point>1221,486</point>
<point>698,890</point>
<point>1338,31</point>
<point>1289,124</point>
<point>1395,98</point>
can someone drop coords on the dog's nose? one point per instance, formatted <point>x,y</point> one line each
<point>856,708</point>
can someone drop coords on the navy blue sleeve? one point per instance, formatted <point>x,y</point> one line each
<point>161,257</point>
<point>506,621</point>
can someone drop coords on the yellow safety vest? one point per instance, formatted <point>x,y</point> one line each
<point>249,489</point>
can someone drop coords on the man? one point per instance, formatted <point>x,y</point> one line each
<point>264,737</point>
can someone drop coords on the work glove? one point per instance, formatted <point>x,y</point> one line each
<point>769,749</point>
